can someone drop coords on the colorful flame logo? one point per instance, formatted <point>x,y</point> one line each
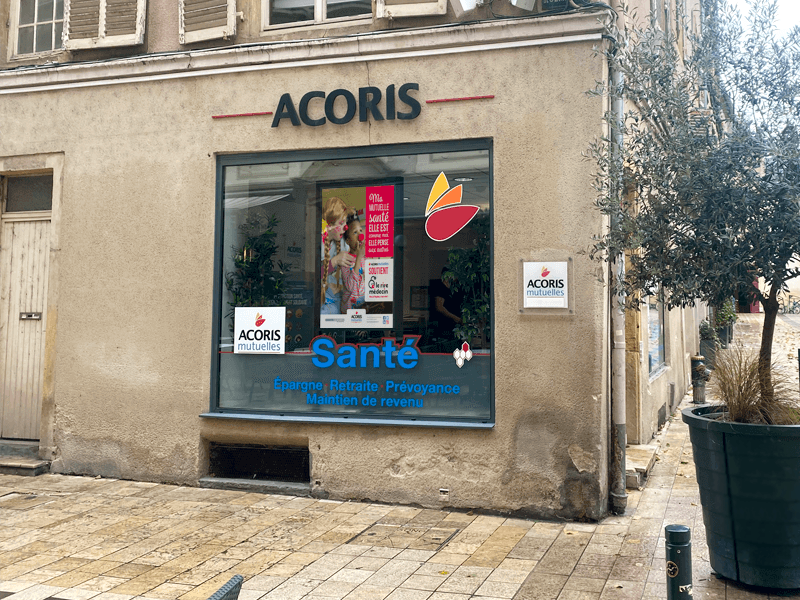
<point>545,272</point>
<point>446,216</point>
<point>259,320</point>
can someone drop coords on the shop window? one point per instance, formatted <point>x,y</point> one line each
<point>655,319</point>
<point>39,26</point>
<point>370,270</point>
<point>308,12</point>
<point>104,23</point>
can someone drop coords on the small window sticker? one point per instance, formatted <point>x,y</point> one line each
<point>259,330</point>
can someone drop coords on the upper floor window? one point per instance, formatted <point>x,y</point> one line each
<point>40,25</point>
<point>103,23</point>
<point>29,193</point>
<point>201,20</point>
<point>301,12</point>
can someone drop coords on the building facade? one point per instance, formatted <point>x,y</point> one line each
<point>339,244</point>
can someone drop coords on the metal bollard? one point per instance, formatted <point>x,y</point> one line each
<point>679,562</point>
<point>700,374</point>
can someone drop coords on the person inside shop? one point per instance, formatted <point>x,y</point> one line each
<point>445,308</point>
<point>335,256</point>
<point>353,277</point>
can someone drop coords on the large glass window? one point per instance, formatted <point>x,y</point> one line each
<point>380,262</point>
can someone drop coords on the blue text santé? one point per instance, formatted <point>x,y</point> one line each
<point>327,353</point>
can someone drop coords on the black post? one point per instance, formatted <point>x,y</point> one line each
<point>679,562</point>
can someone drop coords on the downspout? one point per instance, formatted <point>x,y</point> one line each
<point>618,495</point>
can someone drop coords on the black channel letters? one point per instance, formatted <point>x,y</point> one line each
<point>367,104</point>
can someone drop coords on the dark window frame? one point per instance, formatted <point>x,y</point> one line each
<point>361,152</point>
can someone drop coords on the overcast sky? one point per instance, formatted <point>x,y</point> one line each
<point>788,13</point>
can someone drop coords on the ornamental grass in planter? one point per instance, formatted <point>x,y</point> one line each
<point>738,388</point>
<point>747,457</point>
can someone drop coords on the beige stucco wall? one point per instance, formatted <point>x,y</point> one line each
<point>135,274</point>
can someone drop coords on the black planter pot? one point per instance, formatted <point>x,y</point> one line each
<point>749,478</point>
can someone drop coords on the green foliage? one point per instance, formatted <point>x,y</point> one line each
<point>701,177</point>
<point>707,332</point>
<point>257,278</point>
<point>725,315</point>
<point>468,272</point>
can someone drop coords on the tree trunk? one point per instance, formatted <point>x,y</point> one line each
<point>765,352</point>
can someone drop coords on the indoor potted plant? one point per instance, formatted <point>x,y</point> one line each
<point>258,277</point>
<point>701,182</point>
<point>468,273</point>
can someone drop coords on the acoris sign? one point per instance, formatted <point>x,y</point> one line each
<point>259,330</point>
<point>545,285</point>
<point>340,106</point>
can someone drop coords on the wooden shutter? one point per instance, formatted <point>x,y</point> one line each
<point>392,9</point>
<point>103,23</point>
<point>206,20</point>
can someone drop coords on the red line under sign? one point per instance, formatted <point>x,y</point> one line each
<point>253,114</point>
<point>459,99</point>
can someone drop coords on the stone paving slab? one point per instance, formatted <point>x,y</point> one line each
<point>81,538</point>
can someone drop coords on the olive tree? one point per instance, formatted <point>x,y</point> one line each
<point>700,174</point>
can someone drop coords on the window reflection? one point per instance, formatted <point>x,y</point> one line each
<point>291,11</point>
<point>283,223</point>
<point>348,8</point>
<point>40,25</point>
<point>655,319</point>
<point>299,11</point>
<point>431,278</point>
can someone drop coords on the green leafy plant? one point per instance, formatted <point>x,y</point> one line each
<point>701,176</point>
<point>707,332</point>
<point>468,273</point>
<point>258,278</point>
<point>725,315</point>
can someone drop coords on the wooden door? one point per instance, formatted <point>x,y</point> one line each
<point>24,261</point>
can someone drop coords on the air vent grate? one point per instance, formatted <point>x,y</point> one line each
<point>271,463</point>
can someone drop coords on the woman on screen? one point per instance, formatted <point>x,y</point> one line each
<point>334,254</point>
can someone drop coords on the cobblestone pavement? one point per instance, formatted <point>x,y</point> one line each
<point>76,538</point>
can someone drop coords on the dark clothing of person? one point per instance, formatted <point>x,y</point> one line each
<point>442,325</point>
